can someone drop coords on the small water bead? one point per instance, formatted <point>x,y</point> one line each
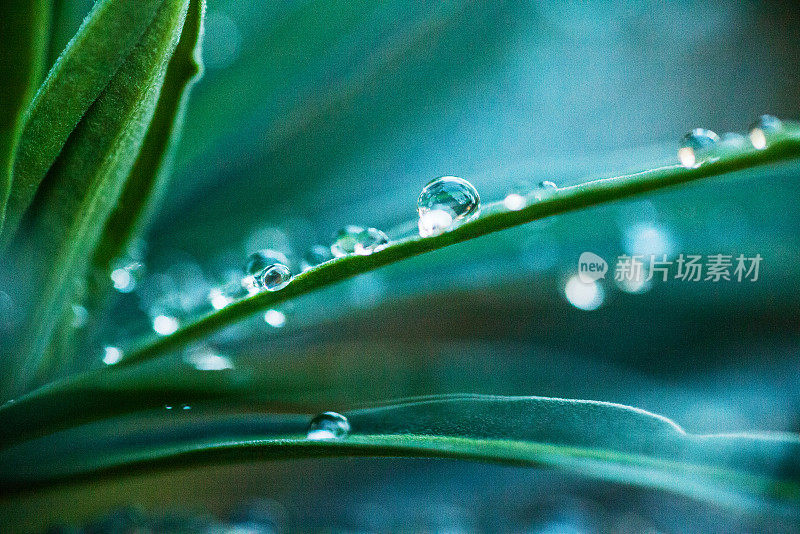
<point>733,140</point>
<point>358,240</point>
<point>316,255</point>
<point>435,222</point>
<point>328,425</point>
<point>764,130</point>
<point>111,355</point>
<point>452,194</point>
<point>545,190</point>
<point>517,198</point>
<point>126,274</point>
<point>164,325</point>
<point>266,269</point>
<point>697,147</point>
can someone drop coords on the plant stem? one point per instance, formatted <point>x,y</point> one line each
<point>493,218</point>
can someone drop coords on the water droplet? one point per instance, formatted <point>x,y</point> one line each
<point>126,274</point>
<point>328,425</point>
<point>218,298</point>
<point>266,269</point>
<point>517,198</point>
<point>435,222</point>
<point>316,255</point>
<point>204,358</point>
<point>111,355</point>
<point>451,194</point>
<point>357,240</point>
<point>186,407</point>
<point>275,318</point>
<point>584,296</point>
<point>545,190</point>
<point>167,407</point>
<point>763,131</point>
<point>697,147</point>
<point>79,316</point>
<point>164,325</point>
<point>514,201</point>
<point>733,140</point>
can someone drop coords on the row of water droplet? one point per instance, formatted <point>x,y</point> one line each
<point>702,146</point>
<point>443,205</point>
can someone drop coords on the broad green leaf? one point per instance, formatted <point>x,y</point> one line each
<point>66,20</point>
<point>754,472</point>
<point>83,186</point>
<point>104,40</point>
<point>494,217</point>
<point>151,171</point>
<point>24,26</point>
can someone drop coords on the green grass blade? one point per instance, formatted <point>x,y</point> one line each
<point>755,472</point>
<point>84,184</point>
<point>24,25</point>
<point>151,171</point>
<point>492,219</point>
<point>76,80</point>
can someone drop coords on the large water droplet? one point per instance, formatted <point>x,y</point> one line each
<point>764,130</point>
<point>357,240</point>
<point>266,269</point>
<point>697,147</point>
<point>452,195</point>
<point>328,425</point>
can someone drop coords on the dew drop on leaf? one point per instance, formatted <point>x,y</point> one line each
<point>316,255</point>
<point>545,190</point>
<point>126,274</point>
<point>517,197</point>
<point>358,240</point>
<point>450,194</point>
<point>164,325</point>
<point>328,425</point>
<point>763,131</point>
<point>697,147</point>
<point>266,269</point>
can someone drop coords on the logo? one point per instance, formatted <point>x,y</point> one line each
<point>591,267</point>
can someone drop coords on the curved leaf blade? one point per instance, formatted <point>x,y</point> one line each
<point>85,182</point>
<point>759,472</point>
<point>151,171</point>
<point>83,70</point>
<point>24,26</point>
<point>493,218</point>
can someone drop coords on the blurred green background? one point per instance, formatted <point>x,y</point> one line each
<point>313,115</point>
